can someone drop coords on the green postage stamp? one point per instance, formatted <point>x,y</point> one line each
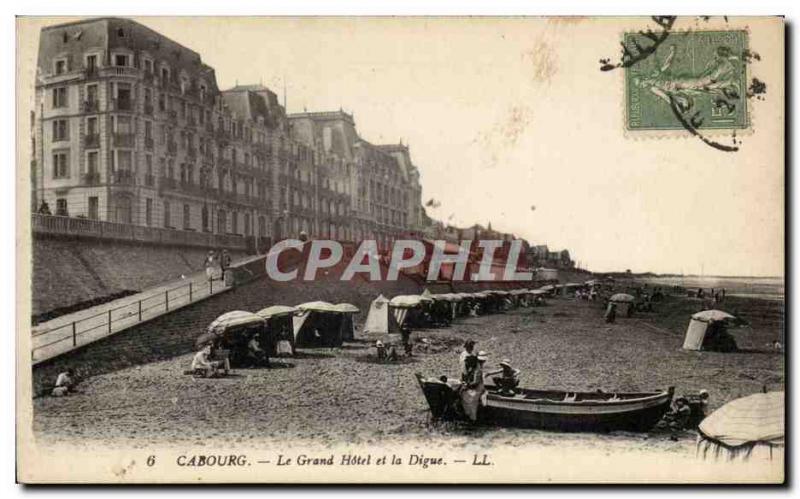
<point>696,75</point>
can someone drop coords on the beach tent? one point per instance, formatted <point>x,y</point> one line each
<point>402,304</point>
<point>380,318</point>
<point>748,428</point>
<point>276,311</point>
<point>278,328</point>
<point>698,326</point>
<point>232,331</point>
<point>231,327</point>
<point>321,324</point>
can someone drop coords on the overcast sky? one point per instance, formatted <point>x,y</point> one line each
<point>511,121</point>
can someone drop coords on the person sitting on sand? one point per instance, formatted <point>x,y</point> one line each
<point>381,350</point>
<point>203,366</point>
<point>65,383</point>
<point>255,354</point>
<point>698,405</point>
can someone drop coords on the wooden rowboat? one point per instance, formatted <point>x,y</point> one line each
<point>552,409</point>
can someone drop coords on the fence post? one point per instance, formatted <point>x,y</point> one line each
<point>109,321</point>
<point>190,291</point>
<point>140,310</point>
<point>74,335</point>
<point>166,300</point>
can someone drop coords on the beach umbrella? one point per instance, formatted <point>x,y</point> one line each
<point>744,428</point>
<point>712,315</point>
<point>275,311</point>
<point>622,298</point>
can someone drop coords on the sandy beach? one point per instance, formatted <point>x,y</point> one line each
<point>330,395</point>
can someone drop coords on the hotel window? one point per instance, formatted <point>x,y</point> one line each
<point>91,93</point>
<point>120,60</point>
<point>124,160</point>
<point>148,66</point>
<point>93,208</point>
<point>61,164</point>
<point>91,62</point>
<point>122,124</point>
<point>60,97</point>
<point>186,216</point>
<point>60,130</point>
<point>61,207</point>
<point>148,211</point>
<point>61,66</point>
<point>167,221</point>
<point>91,163</point>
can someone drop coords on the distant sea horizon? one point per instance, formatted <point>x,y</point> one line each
<point>753,287</point>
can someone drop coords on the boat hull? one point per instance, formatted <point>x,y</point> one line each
<point>548,410</point>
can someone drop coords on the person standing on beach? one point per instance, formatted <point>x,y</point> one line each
<point>405,334</point>
<point>469,348</point>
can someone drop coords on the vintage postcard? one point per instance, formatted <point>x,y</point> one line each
<point>410,250</point>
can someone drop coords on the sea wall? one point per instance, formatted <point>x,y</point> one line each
<point>69,272</point>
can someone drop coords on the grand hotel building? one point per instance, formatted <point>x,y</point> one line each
<point>131,127</point>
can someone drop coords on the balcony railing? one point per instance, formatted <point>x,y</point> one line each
<point>168,183</point>
<point>120,71</point>
<point>122,104</point>
<point>91,106</point>
<point>90,178</point>
<point>123,140</point>
<point>122,177</point>
<point>91,141</point>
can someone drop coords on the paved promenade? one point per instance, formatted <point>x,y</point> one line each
<point>67,332</point>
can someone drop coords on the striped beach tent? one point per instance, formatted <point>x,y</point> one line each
<point>747,428</point>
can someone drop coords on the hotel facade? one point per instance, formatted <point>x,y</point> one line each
<point>131,127</point>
